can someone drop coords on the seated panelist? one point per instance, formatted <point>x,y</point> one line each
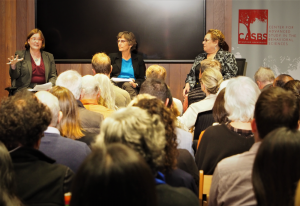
<point>127,64</point>
<point>32,66</point>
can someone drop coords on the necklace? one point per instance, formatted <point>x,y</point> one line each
<point>36,59</point>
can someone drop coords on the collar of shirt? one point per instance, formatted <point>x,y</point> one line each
<point>89,101</point>
<point>241,132</point>
<point>52,130</point>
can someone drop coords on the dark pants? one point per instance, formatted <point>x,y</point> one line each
<point>127,87</point>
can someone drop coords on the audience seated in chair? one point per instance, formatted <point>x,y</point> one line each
<point>65,151</point>
<point>39,181</point>
<point>276,168</point>
<point>221,141</point>
<point>114,175</point>
<point>90,95</point>
<point>102,65</point>
<point>146,135</point>
<point>72,80</point>
<point>231,183</point>
<point>264,78</point>
<point>173,175</point>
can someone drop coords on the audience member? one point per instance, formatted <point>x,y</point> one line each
<point>146,135</point>
<point>23,119</point>
<point>107,94</point>
<point>281,80</point>
<point>219,112</point>
<point>210,83</point>
<point>197,94</point>
<point>65,151</point>
<point>293,86</point>
<point>221,141</point>
<point>231,184</point>
<point>173,175</point>
<point>69,125</point>
<point>264,78</point>
<point>114,175</point>
<point>159,72</point>
<point>102,65</point>
<point>7,180</point>
<point>72,80</point>
<point>276,168</point>
<point>90,95</point>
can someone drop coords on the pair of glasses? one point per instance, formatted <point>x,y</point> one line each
<point>34,39</point>
<point>206,40</point>
<point>121,41</point>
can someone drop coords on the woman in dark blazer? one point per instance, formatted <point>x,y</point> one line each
<point>127,64</point>
<point>32,66</point>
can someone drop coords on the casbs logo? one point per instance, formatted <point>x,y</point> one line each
<point>253,26</point>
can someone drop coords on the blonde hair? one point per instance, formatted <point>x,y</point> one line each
<point>210,63</point>
<point>217,35</point>
<point>264,75</point>
<point>212,79</point>
<point>157,72</point>
<point>107,97</point>
<point>101,63</point>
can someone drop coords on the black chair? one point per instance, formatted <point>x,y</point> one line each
<point>241,66</point>
<point>12,89</point>
<point>204,120</point>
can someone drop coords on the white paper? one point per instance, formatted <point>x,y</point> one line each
<point>120,79</point>
<point>41,87</point>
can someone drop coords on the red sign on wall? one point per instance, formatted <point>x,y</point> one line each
<point>250,32</point>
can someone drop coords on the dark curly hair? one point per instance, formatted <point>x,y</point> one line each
<point>156,106</point>
<point>23,119</point>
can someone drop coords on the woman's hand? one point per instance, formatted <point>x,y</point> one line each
<point>186,89</point>
<point>13,61</point>
<point>133,84</point>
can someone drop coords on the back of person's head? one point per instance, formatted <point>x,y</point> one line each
<point>276,168</point>
<point>155,87</point>
<point>107,97</point>
<point>281,80</point>
<point>240,98</point>
<point>72,81</point>
<point>293,86</point>
<point>90,87</point>
<point>23,119</point>
<point>101,63</point>
<point>211,79</point>
<point>156,72</point>
<point>138,130</point>
<point>114,175</point>
<point>7,179</point>
<point>69,126</point>
<point>52,103</point>
<point>219,112</point>
<point>210,63</point>
<point>275,108</point>
<point>157,107</point>
<point>264,75</point>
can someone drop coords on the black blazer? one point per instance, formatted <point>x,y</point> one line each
<point>23,72</point>
<point>138,65</point>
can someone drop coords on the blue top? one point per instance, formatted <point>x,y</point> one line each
<point>127,69</point>
<point>160,179</point>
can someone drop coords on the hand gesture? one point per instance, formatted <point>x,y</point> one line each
<point>133,83</point>
<point>186,89</point>
<point>13,61</point>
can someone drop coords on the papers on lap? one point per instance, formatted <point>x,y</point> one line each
<point>41,87</point>
<point>120,79</point>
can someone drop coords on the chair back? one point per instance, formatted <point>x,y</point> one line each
<point>204,188</point>
<point>204,120</point>
<point>241,66</point>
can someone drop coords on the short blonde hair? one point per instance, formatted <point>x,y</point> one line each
<point>156,72</point>
<point>212,79</point>
<point>264,75</point>
<point>210,63</point>
<point>101,63</point>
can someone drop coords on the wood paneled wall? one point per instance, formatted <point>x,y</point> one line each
<point>17,19</point>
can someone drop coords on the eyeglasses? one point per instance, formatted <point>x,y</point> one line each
<point>121,41</point>
<point>206,40</point>
<point>34,39</point>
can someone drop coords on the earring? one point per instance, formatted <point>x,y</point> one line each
<point>215,47</point>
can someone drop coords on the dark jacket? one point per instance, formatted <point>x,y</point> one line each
<point>39,181</point>
<point>89,121</point>
<point>23,72</point>
<point>138,65</point>
<point>65,151</point>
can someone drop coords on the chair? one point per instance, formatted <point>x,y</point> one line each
<point>12,89</point>
<point>204,188</point>
<point>241,66</point>
<point>204,120</point>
